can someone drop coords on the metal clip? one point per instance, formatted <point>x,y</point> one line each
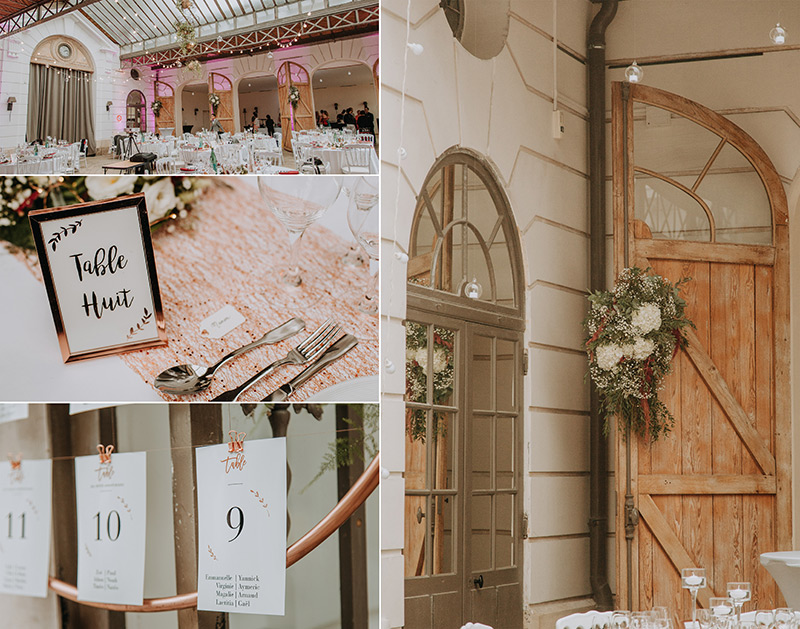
<point>236,441</point>
<point>105,453</point>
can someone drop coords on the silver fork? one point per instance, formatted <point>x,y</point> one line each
<point>314,345</point>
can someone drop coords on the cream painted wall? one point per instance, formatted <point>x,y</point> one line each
<point>267,103</point>
<point>325,97</point>
<point>501,108</point>
<point>111,85</point>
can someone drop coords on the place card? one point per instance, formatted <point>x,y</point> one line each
<point>221,322</point>
<point>25,505</point>
<point>241,507</point>
<point>100,275</point>
<point>111,506</point>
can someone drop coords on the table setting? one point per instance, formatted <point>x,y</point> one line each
<point>256,297</point>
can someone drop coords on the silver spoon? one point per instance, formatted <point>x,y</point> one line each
<point>188,379</point>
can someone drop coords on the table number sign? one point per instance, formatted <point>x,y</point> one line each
<point>241,504</point>
<point>100,275</point>
<point>25,499</point>
<point>111,506</point>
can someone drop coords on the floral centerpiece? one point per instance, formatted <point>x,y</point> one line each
<point>156,107</point>
<point>294,96</point>
<point>214,100</point>
<point>167,198</point>
<point>418,371</point>
<point>634,331</point>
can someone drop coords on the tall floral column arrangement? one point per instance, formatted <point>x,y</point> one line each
<point>294,100</point>
<point>633,333</point>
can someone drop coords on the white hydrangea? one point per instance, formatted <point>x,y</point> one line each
<point>646,318</point>
<point>608,356</point>
<point>642,348</point>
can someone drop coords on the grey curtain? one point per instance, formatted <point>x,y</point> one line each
<point>60,104</point>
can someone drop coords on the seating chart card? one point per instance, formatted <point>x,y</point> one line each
<point>241,503</point>
<point>111,503</point>
<point>25,507</point>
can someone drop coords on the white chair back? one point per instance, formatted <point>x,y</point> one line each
<point>586,620</point>
<point>365,137</point>
<point>356,159</point>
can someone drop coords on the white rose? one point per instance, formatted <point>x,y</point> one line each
<point>608,356</point>
<point>103,187</point>
<point>642,348</point>
<point>422,358</point>
<point>439,360</point>
<point>160,198</point>
<point>646,318</point>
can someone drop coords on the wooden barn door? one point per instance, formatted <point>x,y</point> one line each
<point>299,117</point>
<point>166,117</point>
<point>695,196</point>
<point>221,85</point>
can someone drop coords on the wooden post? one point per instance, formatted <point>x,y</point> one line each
<point>190,425</point>
<point>75,436</point>
<point>353,533</point>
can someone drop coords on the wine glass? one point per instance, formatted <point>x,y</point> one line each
<point>739,593</point>
<point>693,579</point>
<point>784,618</point>
<point>297,202</point>
<point>363,217</point>
<point>620,619</point>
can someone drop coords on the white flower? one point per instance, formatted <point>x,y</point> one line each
<point>422,358</point>
<point>608,356</point>
<point>646,318</point>
<point>642,348</point>
<point>160,198</point>
<point>103,187</point>
<point>439,359</point>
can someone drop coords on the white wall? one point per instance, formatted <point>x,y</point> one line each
<point>15,56</point>
<point>325,97</point>
<point>267,103</point>
<point>197,101</point>
<point>501,108</point>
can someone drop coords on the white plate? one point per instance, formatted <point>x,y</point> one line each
<point>364,389</point>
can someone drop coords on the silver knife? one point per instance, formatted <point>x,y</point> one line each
<point>338,349</point>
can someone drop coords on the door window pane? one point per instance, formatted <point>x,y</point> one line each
<point>481,373</point>
<point>504,533</point>
<point>415,528</point>
<point>505,369</point>
<point>416,363</point>
<point>443,445</point>
<point>481,452</point>
<point>416,450</point>
<point>481,536</point>
<point>504,457</point>
<point>443,365</point>
<point>442,534</point>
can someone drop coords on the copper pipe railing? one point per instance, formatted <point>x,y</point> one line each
<point>353,499</point>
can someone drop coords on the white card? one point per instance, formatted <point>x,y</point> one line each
<point>13,412</point>
<point>241,507</point>
<point>221,322</point>
<point>99,272</point>
<point>111,504</point>
<point>25,499</point>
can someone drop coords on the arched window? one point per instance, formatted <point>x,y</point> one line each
<point>136,108</point>
<point>464,396</point>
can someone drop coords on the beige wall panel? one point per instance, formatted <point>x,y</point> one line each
<point>560,444</point>
<point>556,317</point>
<point>561,505</point>
<point>557,255</point>
<point>549,576</point>
<point>556,380</point>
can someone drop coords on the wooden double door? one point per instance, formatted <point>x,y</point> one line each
<point>695,196</point>
<point>463,474</point>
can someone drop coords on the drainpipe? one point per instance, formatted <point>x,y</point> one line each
<point>598,462</point>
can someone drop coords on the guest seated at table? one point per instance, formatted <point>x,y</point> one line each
<point>270,124</point>
<point>366,121</point>
<point>323,118</point>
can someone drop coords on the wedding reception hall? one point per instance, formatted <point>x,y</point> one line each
<point>588,407</point>
<point>195,86</point>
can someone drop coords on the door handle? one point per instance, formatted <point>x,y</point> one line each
<point>478,581</point>
<point>420,515</point>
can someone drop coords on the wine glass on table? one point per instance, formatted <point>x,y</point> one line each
<point>297,202</point>
<point>693,579</point>
<point>739,593</point>
<point>363,219</point>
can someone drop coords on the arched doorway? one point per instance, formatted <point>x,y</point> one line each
<point>258,94</point>
<point>195,108</point>
<point>220,85</point>
<point>300,115</point>
<point>464,360</point>
<point>60,94</point>
<point>136,111</point>
<point>165,117</point>
<point>343,85</point>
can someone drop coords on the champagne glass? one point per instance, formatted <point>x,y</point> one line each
<point>739,593</point>
<point>693,579</point>
<point>297,202</point>
<point>363,217</point>
<point>784,618</point>
<point>621,619</point>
